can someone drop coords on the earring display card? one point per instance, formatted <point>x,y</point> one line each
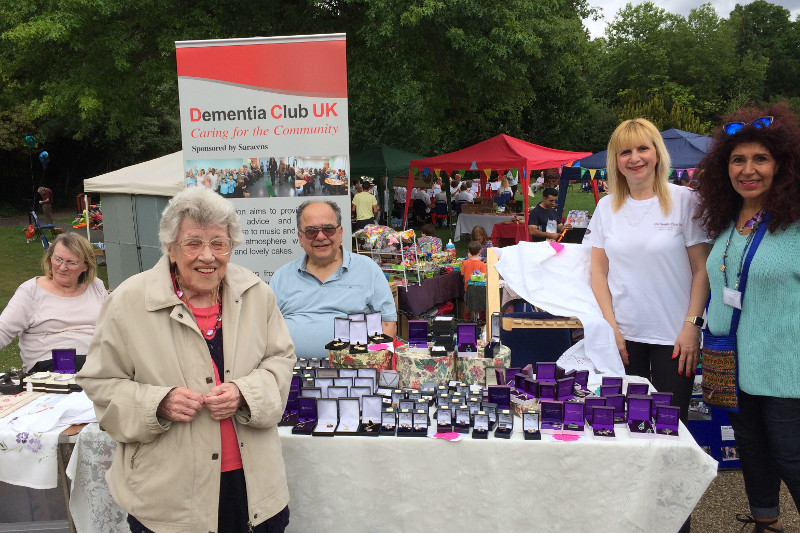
<point>443,401</point>
<point>405,403</point>
<point>388,422</point>
<point>530,426</point>
<point>405,423</point>
<point>505,424</point>
<point>462,419</point>
<point>420,419</point>
<point>480,428</point>
<point>444,420</point>
<point>552,417</point>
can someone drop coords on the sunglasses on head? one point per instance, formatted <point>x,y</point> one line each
<point>311,232</point>
<point>734,127</point>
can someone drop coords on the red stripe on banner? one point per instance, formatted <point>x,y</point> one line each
<point>316,67</point>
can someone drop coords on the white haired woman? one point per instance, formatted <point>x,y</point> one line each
<point>57,310</point>
<point>195,416</point>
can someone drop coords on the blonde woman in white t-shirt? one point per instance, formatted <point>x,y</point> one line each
<point>648,262</point>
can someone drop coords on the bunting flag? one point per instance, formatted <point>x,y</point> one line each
<point>463,172</point>
<point>583,172</point>
<point>679,173</point>
<point>487,172</point>
<point>474,166</point>
<point>426,171</point>
<point>437,171</point>
<point>691,172</point>
<point>602,173</point>
<point>592,172</point>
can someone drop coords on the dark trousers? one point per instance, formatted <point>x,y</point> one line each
<point>767,431</point>
<point>233,514</point>
<point>655,362</point>
<point>361,224</point>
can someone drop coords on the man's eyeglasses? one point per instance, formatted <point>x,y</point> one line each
<point>735,127</point>
<point>219,246</point>
<point>311,232</point>
<point>70,264</point>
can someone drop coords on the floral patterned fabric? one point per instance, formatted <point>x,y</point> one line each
<point>28,458</point>
<point>381,359</point>
<point>416,366</point>
<point>472,370</point>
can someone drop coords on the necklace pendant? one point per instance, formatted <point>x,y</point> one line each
<point>722,268</point>
<point>209,332</point>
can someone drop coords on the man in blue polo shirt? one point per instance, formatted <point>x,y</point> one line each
<point>327,282</point>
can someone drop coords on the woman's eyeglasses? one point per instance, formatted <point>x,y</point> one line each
<point>218,246</point>
<point>735,127</point>
<point>70,264</point>
<point>311,232</point>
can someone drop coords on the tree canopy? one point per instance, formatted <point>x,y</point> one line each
<point>94,80</point>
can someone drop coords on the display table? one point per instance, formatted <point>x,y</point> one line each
<point>416,299</point>
<point>354,484</point>
<point>509,233</point>
<point>467,221</point>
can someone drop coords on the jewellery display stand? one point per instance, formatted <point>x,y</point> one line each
<point>480,429</point>
<point>341,335</point>
<point>405,423</point>
<point>589,404</point>
<point>530,426</point>
<point>667,418</point>
<point>385,258</point>
<point>505,424</point>
<point>327,417</point>
<point>388,422</point>
<point>639,409</point>
<point>603,422</point>
<point>349,417</point>
<point>574,418</point>
<point>307,416</point>
<point>552,417</point>
<point>421,422</point>
<point>462,419</point>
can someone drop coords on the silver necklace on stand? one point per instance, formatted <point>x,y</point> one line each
<point>641,217</point>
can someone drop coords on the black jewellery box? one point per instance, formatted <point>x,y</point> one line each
<point>349,417</point>
<point>388,422</point>
<point>341,335</point>
<point>505,424</point>
<point>481,426</point>
<point>444,420</point>
<point>371,407</point>
<point>530,425</point>
<point>421,421</point>
<point>327,417</point>
<point>405,423</point>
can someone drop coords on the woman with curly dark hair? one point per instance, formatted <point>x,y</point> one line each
<point>751,178</point>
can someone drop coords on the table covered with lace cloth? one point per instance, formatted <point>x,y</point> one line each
<point>390,484</point>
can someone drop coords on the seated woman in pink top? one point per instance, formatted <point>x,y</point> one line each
<point>57,310</point>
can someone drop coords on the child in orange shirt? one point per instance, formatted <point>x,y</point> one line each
<point>473,262</point>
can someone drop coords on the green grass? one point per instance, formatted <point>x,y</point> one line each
<point>19,262</point>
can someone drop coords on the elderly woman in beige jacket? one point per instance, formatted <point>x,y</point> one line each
<point>189,371</point>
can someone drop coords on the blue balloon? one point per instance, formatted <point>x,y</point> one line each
<point>44,157</point>
<point>30,141</point>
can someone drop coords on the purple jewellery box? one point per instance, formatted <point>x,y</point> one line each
<point>552,418</point>
<point>637,388</point>
<point>612,380</point>
<point>590,403</point>
<point>639,407</point>
<point>667,418</point>
<point>467,339</point>
<point>617,401</point>
<point>565,388</point>
<point>607,390</point>
<point>574,418</point>
<point>500,395</point>
<point>547,390</point>
<point>603,421</point>
<point>660,398</point>
<point>64,361</point>
<point>306,416</point>
<point>546,372</point>
<point>418,333</point>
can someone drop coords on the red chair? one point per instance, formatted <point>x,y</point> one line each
<point>439,213</point>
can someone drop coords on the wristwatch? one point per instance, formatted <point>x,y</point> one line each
<point>696,320</point>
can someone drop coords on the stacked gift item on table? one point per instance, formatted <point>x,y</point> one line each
<point>359,342</point>
<point>61,380</point>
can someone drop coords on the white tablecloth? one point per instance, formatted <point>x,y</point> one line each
<point>367,484</point>
<point>468,221</point>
